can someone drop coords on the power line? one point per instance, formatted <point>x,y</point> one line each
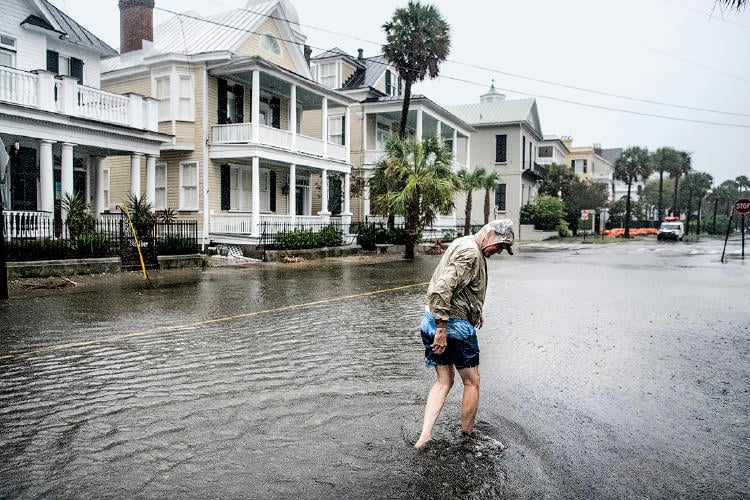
<point>569,101</point>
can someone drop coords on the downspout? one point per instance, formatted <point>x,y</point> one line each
<point>205,157</point>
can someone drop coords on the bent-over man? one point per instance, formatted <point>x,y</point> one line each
<point>455,298</point>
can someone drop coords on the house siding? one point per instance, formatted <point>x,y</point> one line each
<point>252,47</point>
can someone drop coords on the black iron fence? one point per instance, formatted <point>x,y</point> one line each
<point>288,236</point>
<point>30,238</point>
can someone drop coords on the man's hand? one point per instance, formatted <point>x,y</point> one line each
<point>440,341</point>
<point>480,324</point>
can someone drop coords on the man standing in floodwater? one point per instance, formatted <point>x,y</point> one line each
<point>455,299</point>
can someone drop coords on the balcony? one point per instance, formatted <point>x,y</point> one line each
<point>242,133</point>
<point>44,91</point>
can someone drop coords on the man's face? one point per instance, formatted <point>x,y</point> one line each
<point>491,250</point>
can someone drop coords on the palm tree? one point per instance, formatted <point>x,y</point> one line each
<point>429,184</point>
<point>417,41</point>
<point>742,184</point>
<point>734,4</point>
<point>663,160</point>
<point>682,167</point>
<point>489,183</point>
<point>696,183</point>
<point>469,181</point>
<point>633,164</point>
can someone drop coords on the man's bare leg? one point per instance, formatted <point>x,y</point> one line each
<point>470,398</point>
<point>435,401</point>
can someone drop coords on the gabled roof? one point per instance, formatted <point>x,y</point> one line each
<point>339,53</point>
<point>368,70</point>
<point>190,33</point>
<point>610,154</point>
<point>499,112</point>
<point>60,22</point>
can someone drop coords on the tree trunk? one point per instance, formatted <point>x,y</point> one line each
<point>405,109</point>
<point>689,210</point>
<point>467,213</point>
<point>661,189</point>
<point>700,204</point>
<point>627,212</point>
<point>411,227</point>
<point>486,206</point>
<point>716,207</point>
<point>675,210</point>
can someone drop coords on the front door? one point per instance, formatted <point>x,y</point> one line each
<point>299,197</point>
<point>23,173</point>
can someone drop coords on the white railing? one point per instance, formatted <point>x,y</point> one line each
<point>26,223</point>
<point>233,133</point>
<point>337,152</point>
<point>102,106</point>
<point>19,87</point>
<point>275,137</point>
<point>372,156</point>
<point>309,145</point>
<point>241,223</point>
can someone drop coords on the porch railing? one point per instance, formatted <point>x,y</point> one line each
<point>44,90</point>
<point>310,145</point>
<point>25,224</point>
<point>275,137</point>
<point>242,224</point>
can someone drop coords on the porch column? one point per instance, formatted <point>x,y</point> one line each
<point>366,195</point>
<point>455,145</point>
<point>66,176</point>
<point>293,116</point>
<point>46,177</point>
<point>151,179</point>
<point>255,224</point>
<point>135,174</point>
<point>364,134</point>
<point>255,113</point>
<point>347,135</point>
<point>439,130</point>
<point>468,152</point>
<point>324,194</point>
<point>100,201</point>
<point>324,127</point>
<point>292,196</point>
<point>419,125</point>
<point>346,214</point>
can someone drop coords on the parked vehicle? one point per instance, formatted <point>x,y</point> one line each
<point>671,230</point>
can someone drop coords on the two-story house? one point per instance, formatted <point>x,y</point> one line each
<point>56,125</point>
<point>377,88</point>
<point>552,150</point>
<point>506,141</point>
<point>595,165</point>
<point>236,92</point>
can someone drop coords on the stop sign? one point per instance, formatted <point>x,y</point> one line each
<point>584,215</point>
<point>742,206</point>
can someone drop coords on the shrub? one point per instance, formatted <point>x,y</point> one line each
<point>562,228</point>
<point>175,245</point>
<point>91,245</point>
<point>79,221</point>
<point>371,234</point>
<point>298,239</point>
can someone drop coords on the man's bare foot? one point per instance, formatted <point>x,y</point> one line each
<point>421,444</point>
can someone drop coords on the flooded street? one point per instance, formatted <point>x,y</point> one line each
<point>608,371</point>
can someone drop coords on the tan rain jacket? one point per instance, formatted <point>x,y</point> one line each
<point>459,283</point>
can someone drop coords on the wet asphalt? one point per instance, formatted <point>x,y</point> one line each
<point>608,371</point>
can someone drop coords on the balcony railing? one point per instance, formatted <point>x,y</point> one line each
<point>242,133</point>
<point>45,91</point>
<point>242,224</point>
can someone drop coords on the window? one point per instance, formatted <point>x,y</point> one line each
<point>545,152</point>
<point>189,185</point>
<point>500,198</point>
<point>523,151</point>
<point>327,75</point>
<point>501,148</point>
<point>160,194</point>
<point>579,166</point>
<point>185,103</point>
<point>163,95</point>
<point>240,188</point>
<point>388,85</point>
<point>64,65</point>
<point>382,132</point>
<point>336,129</point>
<point>270,43</point>
<point>392,83</point>
<point>7,51</point>
<point>105,188</point>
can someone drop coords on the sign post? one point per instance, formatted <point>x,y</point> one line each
<point>742,206</point>
<point>585,223</point>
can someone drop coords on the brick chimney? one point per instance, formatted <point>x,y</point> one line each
<point>136,24</point>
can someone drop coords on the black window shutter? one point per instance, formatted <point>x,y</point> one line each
<point>225,201</point>
<point>343,130</point>
<point>53,61</point>
<point>222,101</point>
<point>388,82</point>
<point>275,112</point>
<point>239,100</point>
<point>76,69</point>
<point>272,191</point>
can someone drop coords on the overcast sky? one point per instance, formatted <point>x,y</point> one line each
<point>677,54</point>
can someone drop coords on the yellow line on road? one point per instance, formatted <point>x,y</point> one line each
<point>175,328</point>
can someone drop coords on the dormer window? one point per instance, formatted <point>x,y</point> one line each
<point>327,75</point>
<point>270,43</point>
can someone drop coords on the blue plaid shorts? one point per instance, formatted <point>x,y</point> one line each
<point>462,350</point>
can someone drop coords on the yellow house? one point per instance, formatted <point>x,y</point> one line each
<point>252,130</point>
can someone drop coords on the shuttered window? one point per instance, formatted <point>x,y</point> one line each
<point>163,93</point>
<point>500,198</point>
<point>185,103</point>
<point>501,148</point>
<point>160,192</point>
<point>189,185</point>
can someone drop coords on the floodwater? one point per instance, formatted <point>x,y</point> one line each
<point>608,371</point>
